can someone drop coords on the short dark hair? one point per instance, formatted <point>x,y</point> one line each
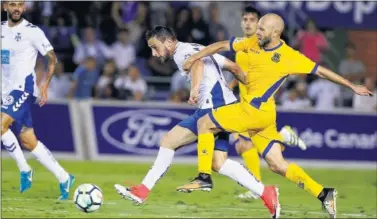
<point>251,10</point>
<point>162,33</point>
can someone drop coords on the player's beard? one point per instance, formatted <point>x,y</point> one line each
<point>164,58</point>
<point>264,42</point>
<point>14,20</point>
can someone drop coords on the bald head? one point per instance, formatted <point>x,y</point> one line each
<point>270,28</point>
<point>274,21</point>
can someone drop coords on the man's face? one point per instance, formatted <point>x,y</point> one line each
<point>15,10</point>
<point>249,24</point>
<point>159,49</point>
<point>264,33</point>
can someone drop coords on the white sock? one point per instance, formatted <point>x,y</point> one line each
<point>45,157</point>
<point>11,144</point>
<point>238,173</point>
<point>161,164</point>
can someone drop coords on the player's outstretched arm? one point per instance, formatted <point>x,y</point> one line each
<point>236,71</point>
<point>207,51</point>
<point>196,77</point>
<point>332,76</point>
<point>51,57</point>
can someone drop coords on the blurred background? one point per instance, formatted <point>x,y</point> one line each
<point>104,63</point>
<point>107,40</point>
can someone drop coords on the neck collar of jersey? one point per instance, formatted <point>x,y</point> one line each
<point>24,21</point>
<point>176,47</point>
<point>275,48</point>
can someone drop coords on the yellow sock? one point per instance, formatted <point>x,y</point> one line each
<point>252,162</point>
<point>298,175</point>
<point>206,147</point>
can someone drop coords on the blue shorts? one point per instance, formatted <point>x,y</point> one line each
<point>18,106</point>
<point>191,123</point>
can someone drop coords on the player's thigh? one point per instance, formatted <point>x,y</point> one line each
<point>230,118</point>
<point>219,158</point>
<point>14,108</point>
<point>6,122</point>
<point>178,136</point>
<point>264,139</point>
<point>27,138</point>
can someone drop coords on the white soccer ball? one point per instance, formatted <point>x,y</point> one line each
<point>88,198</point>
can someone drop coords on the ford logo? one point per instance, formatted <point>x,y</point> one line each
<point>140,131</point>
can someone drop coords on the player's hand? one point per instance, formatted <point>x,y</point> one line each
<point>362,90</point>
<point>43,91</point>
<point>193,100</point>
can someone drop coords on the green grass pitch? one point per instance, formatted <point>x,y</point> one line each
<point>356,193</point>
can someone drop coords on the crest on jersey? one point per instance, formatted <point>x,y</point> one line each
<point>9,100</point>
<point>276,57</point>
<point>237,39</point>
<point>18,37</point>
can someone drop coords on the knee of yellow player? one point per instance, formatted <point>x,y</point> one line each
<point>275,159</point>
<point>205,124</point>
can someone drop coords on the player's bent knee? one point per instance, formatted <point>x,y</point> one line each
<point>276,161</point>
<point>6,121</point>
<point>28,139</point>
<point>243,146</point>
<point>219,158</point>
<point>205,124</point>
<point>166,142</point>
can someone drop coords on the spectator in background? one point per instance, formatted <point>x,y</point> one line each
<point>325,94</point>
<point>178,82</point>
<point>297,98</point>
<point>84,79</point>
<point>131,15</point>
<point>90,46</point>
<point>183,25</point>
<point>123,51</point>
<point>131,86</point>
<point>366,103</point>
<point>217,30</point>
<point>311,42</point>
<point>61,37</point>
<point>60,83</point>
<point>103,86</point>
<point>353,70</point>
<point>199,31</point>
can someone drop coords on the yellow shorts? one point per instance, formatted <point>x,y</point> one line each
<point>242,117</point>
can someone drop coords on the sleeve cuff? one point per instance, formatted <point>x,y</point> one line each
<point>231,44</point>
<point>314,69</point>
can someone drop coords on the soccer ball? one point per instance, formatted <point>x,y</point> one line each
<point>88,198</point>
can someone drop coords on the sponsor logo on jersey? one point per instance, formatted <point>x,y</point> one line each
<point>140,131</point>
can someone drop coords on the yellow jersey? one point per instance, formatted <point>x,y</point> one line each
<point>267,69</point>
<point>243,62</point>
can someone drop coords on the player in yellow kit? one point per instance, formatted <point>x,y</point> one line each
<point>244,146</point>
<point>270,61</point>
